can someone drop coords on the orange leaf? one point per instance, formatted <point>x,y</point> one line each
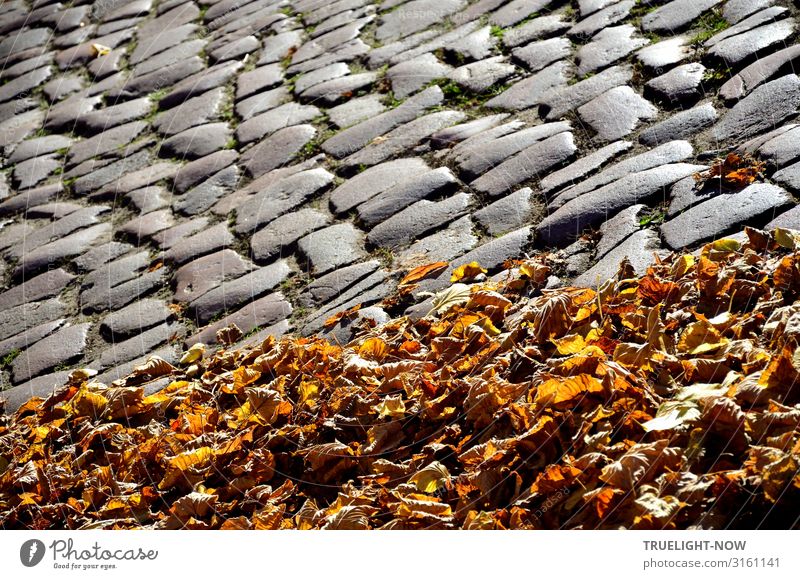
<point>424,271</point>
<point>335,318</point>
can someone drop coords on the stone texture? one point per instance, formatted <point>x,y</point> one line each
<point>262,312</point>
<point>233,293</point>
<point>672,152</point>
<point>332,247</point>
<point>200,83</point>
<point>195,111</point>
<point>638,249</point>
<point>205,273</point>
<point>53,253</point>
<point>58,348</point>
<point>329,286</point>
<point>139,345</point>
<point>787,220</point>
<point>679,85</point>
<point>197,142</point>
<point>29,337</point>
<point>675,15</point>
<point>476,45</point>
<point>608,46</point>
<point>540,27</point>
<point>737,48</point>
<point>279,197</point>
<point>736,10</point>
<point>616,113</point>
<point>530,163</point>
<point>532,90</point>
<point>149,199</point>
<point>333,91</point>
<point>28,316</point>
<point>618,228</point>
<point>481,75</point>
<point>444,245</point>
<point>763,109</point>
<point>330,72</point>
<point>276,150</point>
<point>760,71</point>
<point>601,19</point>
<point>450,136</point>
<point>39,146</point>
<point>591,209</point>
<point>398,197</point>
<point>135,318</point>
<point>358,136</point>
<point>508,213</point>
<point>583,166</point>
<point>681,125</point>
<point>111,116</point>
<point>402,138</point>
<point>538,55</point>
<point>188,248</point>
<point>417,220</point>
<point>789,177</point>
<point>271,121</point>
<point>561,100</point>
<point>203,196</point>
<point>262,102</point>
<point>356,110</point>
<point>665,53</point>
<point>197,171</point>
<point>374,180</point>
<point>415,16</point>
<point>719,214</point>
<point>280,235</point>
<point>105,141</point>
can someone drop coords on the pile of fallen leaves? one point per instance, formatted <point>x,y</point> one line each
<point>666,401</point>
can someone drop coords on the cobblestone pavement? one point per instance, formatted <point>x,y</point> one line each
<point>170,166</point>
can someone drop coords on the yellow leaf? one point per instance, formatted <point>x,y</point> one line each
<point>267,403</point>
<point>727,244</point>
<point>719,249</point>
<point>100,50</point>
<point>391,406</point>
<point>682,265</point>
<point>456,294</point>
<point>29,499</point>
<point>178,465</point>
<point>373,349</point>
<point>431,478</point>
<point>555,391</point>
<point>785,237</point>
<point>570,344</point>
<point>536,272</point>
<point>700,337</point>
<point>88,403</point>
<point>466,271</point>
<point>244,376</point>
<point>309,391</point>
<point>487,326</point>
<point>193,354</point>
